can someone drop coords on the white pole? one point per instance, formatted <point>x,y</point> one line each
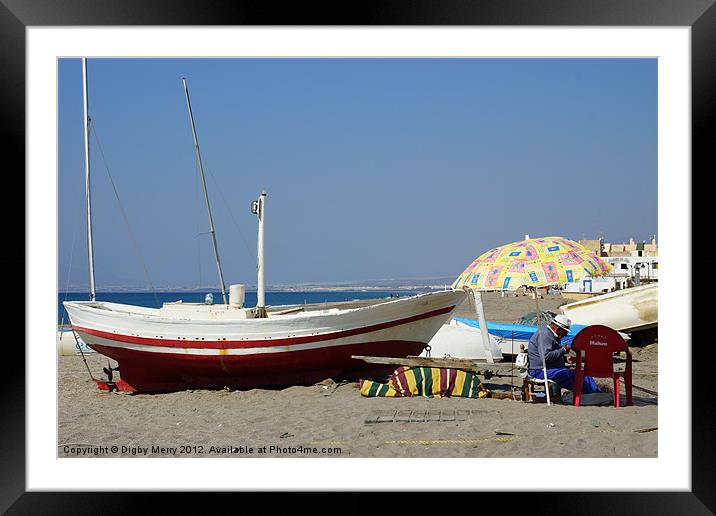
<point>477,296</point>
<point>544,371</point>
<point>260,294</point>
<point>88,190</point>
<point>541,350</point>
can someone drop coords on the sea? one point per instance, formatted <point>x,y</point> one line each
<point>273,298</point>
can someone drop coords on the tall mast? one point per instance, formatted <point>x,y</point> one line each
<point>88,190</point>
<point>197,152</point>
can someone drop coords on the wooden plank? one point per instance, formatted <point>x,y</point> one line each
<point>506,396</point>
<point>466,364</point>
<point>476,361</point>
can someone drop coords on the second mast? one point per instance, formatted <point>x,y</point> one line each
<point>206,195</point>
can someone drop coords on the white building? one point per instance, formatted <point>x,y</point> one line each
<point>593,285</point>
<point>633,269</point>
<point>627,271</point>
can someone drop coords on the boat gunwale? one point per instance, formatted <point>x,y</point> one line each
<point>91,307</point>
<point>603,297</point>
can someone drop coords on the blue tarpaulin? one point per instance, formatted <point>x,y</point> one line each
<point>517,331</point>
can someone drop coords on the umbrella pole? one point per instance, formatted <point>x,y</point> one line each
<point>477,298</point>
<point>544,372</point>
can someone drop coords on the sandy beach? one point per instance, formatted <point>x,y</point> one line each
<point>333,420</point>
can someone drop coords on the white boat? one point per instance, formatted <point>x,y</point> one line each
<point>459,340</point>
<point>187,345</point>
<point>631,309</point>
<point>68,346</point>
<point>183,345</point>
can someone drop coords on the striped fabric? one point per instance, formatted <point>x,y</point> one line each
<point>428,382</point>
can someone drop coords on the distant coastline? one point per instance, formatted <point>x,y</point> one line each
<point>407,284</point>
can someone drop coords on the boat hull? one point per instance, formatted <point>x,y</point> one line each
<point>163,372</point>
<point>162,355</point>
<point>630,310</point>
<point>461,341</point>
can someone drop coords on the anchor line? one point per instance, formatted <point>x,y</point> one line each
<point>77,343</point>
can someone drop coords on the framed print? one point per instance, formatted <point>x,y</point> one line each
<point>41,47</point>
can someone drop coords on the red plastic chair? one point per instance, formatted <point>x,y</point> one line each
<point>599,343</point>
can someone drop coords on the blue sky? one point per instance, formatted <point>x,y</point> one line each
<point>374,168</point>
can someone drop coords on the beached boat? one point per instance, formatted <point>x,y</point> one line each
<point>458,340</point>
<point>630,310</point>
<point>183,345</point>
<point>188,345</point>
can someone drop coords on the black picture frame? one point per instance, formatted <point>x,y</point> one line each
<point>700,15</point>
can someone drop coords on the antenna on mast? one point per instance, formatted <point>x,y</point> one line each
<point>197,153</point>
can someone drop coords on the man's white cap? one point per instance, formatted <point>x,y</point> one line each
<point>563,322</point>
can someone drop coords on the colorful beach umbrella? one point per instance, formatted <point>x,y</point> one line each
<point>537,262</point>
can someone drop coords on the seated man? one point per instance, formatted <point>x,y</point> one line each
<point>548,338</point>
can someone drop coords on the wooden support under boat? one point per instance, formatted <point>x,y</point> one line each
<point>515,396</point>
<point>457,363</point>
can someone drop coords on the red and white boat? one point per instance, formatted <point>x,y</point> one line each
<point>184,345</point>
<point>187,345</point>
